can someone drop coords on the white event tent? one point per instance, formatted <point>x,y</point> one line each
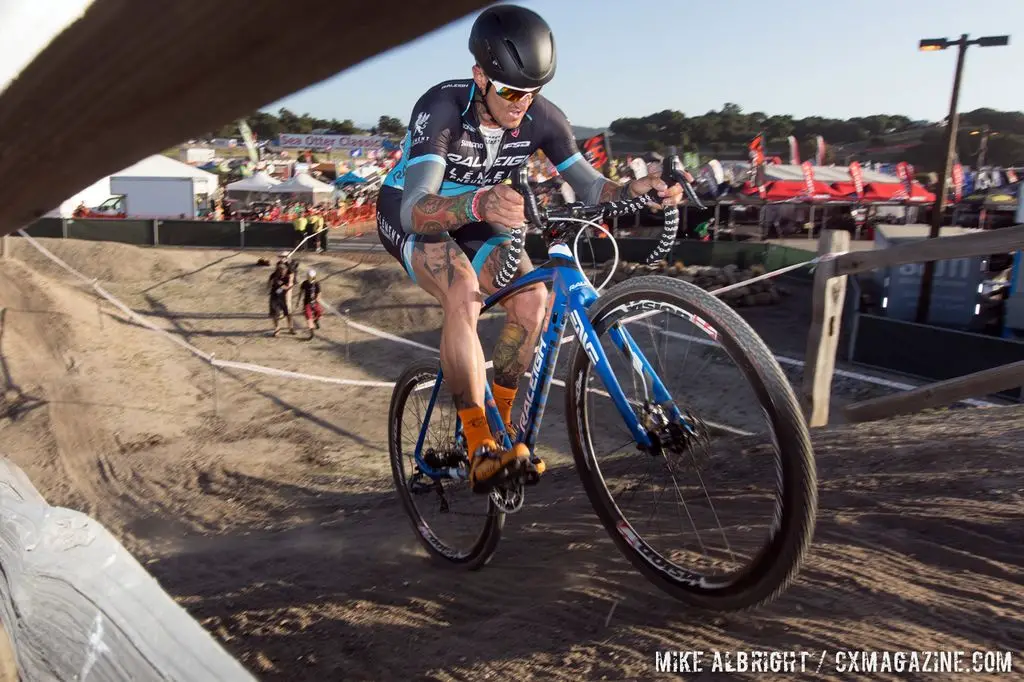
<point>160,166</point>
<point>258,187</point>
<point>260,182</point>
<point>305,188</point>
<point>156,166</point>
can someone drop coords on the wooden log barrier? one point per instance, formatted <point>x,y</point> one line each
<point>76,605</point>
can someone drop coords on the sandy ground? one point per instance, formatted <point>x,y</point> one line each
<point>265,505</point>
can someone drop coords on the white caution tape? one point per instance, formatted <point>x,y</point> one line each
<point>299,375</point>
<point>767,275</point>
<point>384,335</point>
<point>189,347</point>
<point>857,376</point>
<point>398,339</point>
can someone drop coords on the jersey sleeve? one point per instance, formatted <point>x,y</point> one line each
<point>559,145</point>
<point>558,142</point>
<point>435,122</point>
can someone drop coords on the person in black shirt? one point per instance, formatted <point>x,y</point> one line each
<point>277,288</point>
<point>310,291</point>
<point>446,215</point>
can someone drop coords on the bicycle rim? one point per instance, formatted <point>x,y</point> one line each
<point>786,538</point>
<point>432,505</point>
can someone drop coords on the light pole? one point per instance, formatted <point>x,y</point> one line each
<point>929,45</point>
<point>985,133</point>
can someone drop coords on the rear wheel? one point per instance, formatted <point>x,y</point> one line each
<point>455,525</point>
<point>778,476</point>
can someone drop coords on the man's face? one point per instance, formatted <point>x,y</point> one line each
<point>507,114</point>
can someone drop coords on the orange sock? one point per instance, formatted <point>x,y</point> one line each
<point>504,397</point>
<point>474,424</point>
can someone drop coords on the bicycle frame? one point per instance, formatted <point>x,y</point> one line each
<point>571,296</point>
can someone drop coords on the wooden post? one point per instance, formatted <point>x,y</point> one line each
<point>939,394</point>
<point>823,337</point>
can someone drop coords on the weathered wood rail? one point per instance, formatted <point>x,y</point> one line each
<point>823,336</point>
<point>130,79</point>
<point>76,605</point>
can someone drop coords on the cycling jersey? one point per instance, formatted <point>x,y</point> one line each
<point>446,152</point>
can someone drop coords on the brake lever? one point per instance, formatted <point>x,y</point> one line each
<point>673,172</point>
<point>521,184</point>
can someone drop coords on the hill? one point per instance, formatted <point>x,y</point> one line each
<point>265,504</point>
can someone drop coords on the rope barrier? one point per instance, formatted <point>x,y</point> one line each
<point>261,369</point>
<point>207,357</point>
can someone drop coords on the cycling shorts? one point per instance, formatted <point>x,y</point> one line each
<point>476,240</point>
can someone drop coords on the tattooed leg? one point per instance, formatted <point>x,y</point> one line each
<point>443,270</point>
<point>525,311</point>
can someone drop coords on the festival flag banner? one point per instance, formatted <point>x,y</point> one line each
<point>857,174</point>
<point>808,170</point>
<point>756,151</point>
<point>819,154</point>
<point>794,151</point>
<point>902,174</point>
<point>596,151</point>
<point>958,181</point>
<point>249,139</point>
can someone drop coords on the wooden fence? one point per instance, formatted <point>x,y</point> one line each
<point>829,294</point>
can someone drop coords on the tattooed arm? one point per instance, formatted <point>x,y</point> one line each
<point>433,214</point>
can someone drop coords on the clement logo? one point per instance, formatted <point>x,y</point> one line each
<point>385,227</point>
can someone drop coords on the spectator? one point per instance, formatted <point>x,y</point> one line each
<point>277,289</point>
<point>292,267</point>
<point>311,306</point>
<point>300,222</point>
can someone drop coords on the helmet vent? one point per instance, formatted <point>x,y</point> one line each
<point>515,53</point>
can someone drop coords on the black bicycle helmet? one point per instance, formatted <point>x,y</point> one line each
<point>514,46</point>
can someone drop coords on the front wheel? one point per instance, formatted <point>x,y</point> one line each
<point>777,476</point>
<point>453,524</point>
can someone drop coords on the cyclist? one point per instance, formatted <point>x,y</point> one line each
<point>444,213</point>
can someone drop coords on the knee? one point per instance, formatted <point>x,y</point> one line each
<point>463,295</point>
<point>529,306</point>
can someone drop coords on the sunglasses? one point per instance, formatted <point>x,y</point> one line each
<point>510,94</point>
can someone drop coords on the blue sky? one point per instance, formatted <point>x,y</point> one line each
<point>828,58</point>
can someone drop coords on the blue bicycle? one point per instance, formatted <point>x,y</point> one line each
<point>663,429</point>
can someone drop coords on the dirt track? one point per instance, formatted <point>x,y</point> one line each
<point>273,521</point>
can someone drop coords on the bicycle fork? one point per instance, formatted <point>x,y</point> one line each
<point>638,362</point>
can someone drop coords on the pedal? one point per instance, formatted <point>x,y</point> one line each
<point>530,474</point>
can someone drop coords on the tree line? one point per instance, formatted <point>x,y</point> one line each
<point>726,133</point>
<point>267,126</point>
